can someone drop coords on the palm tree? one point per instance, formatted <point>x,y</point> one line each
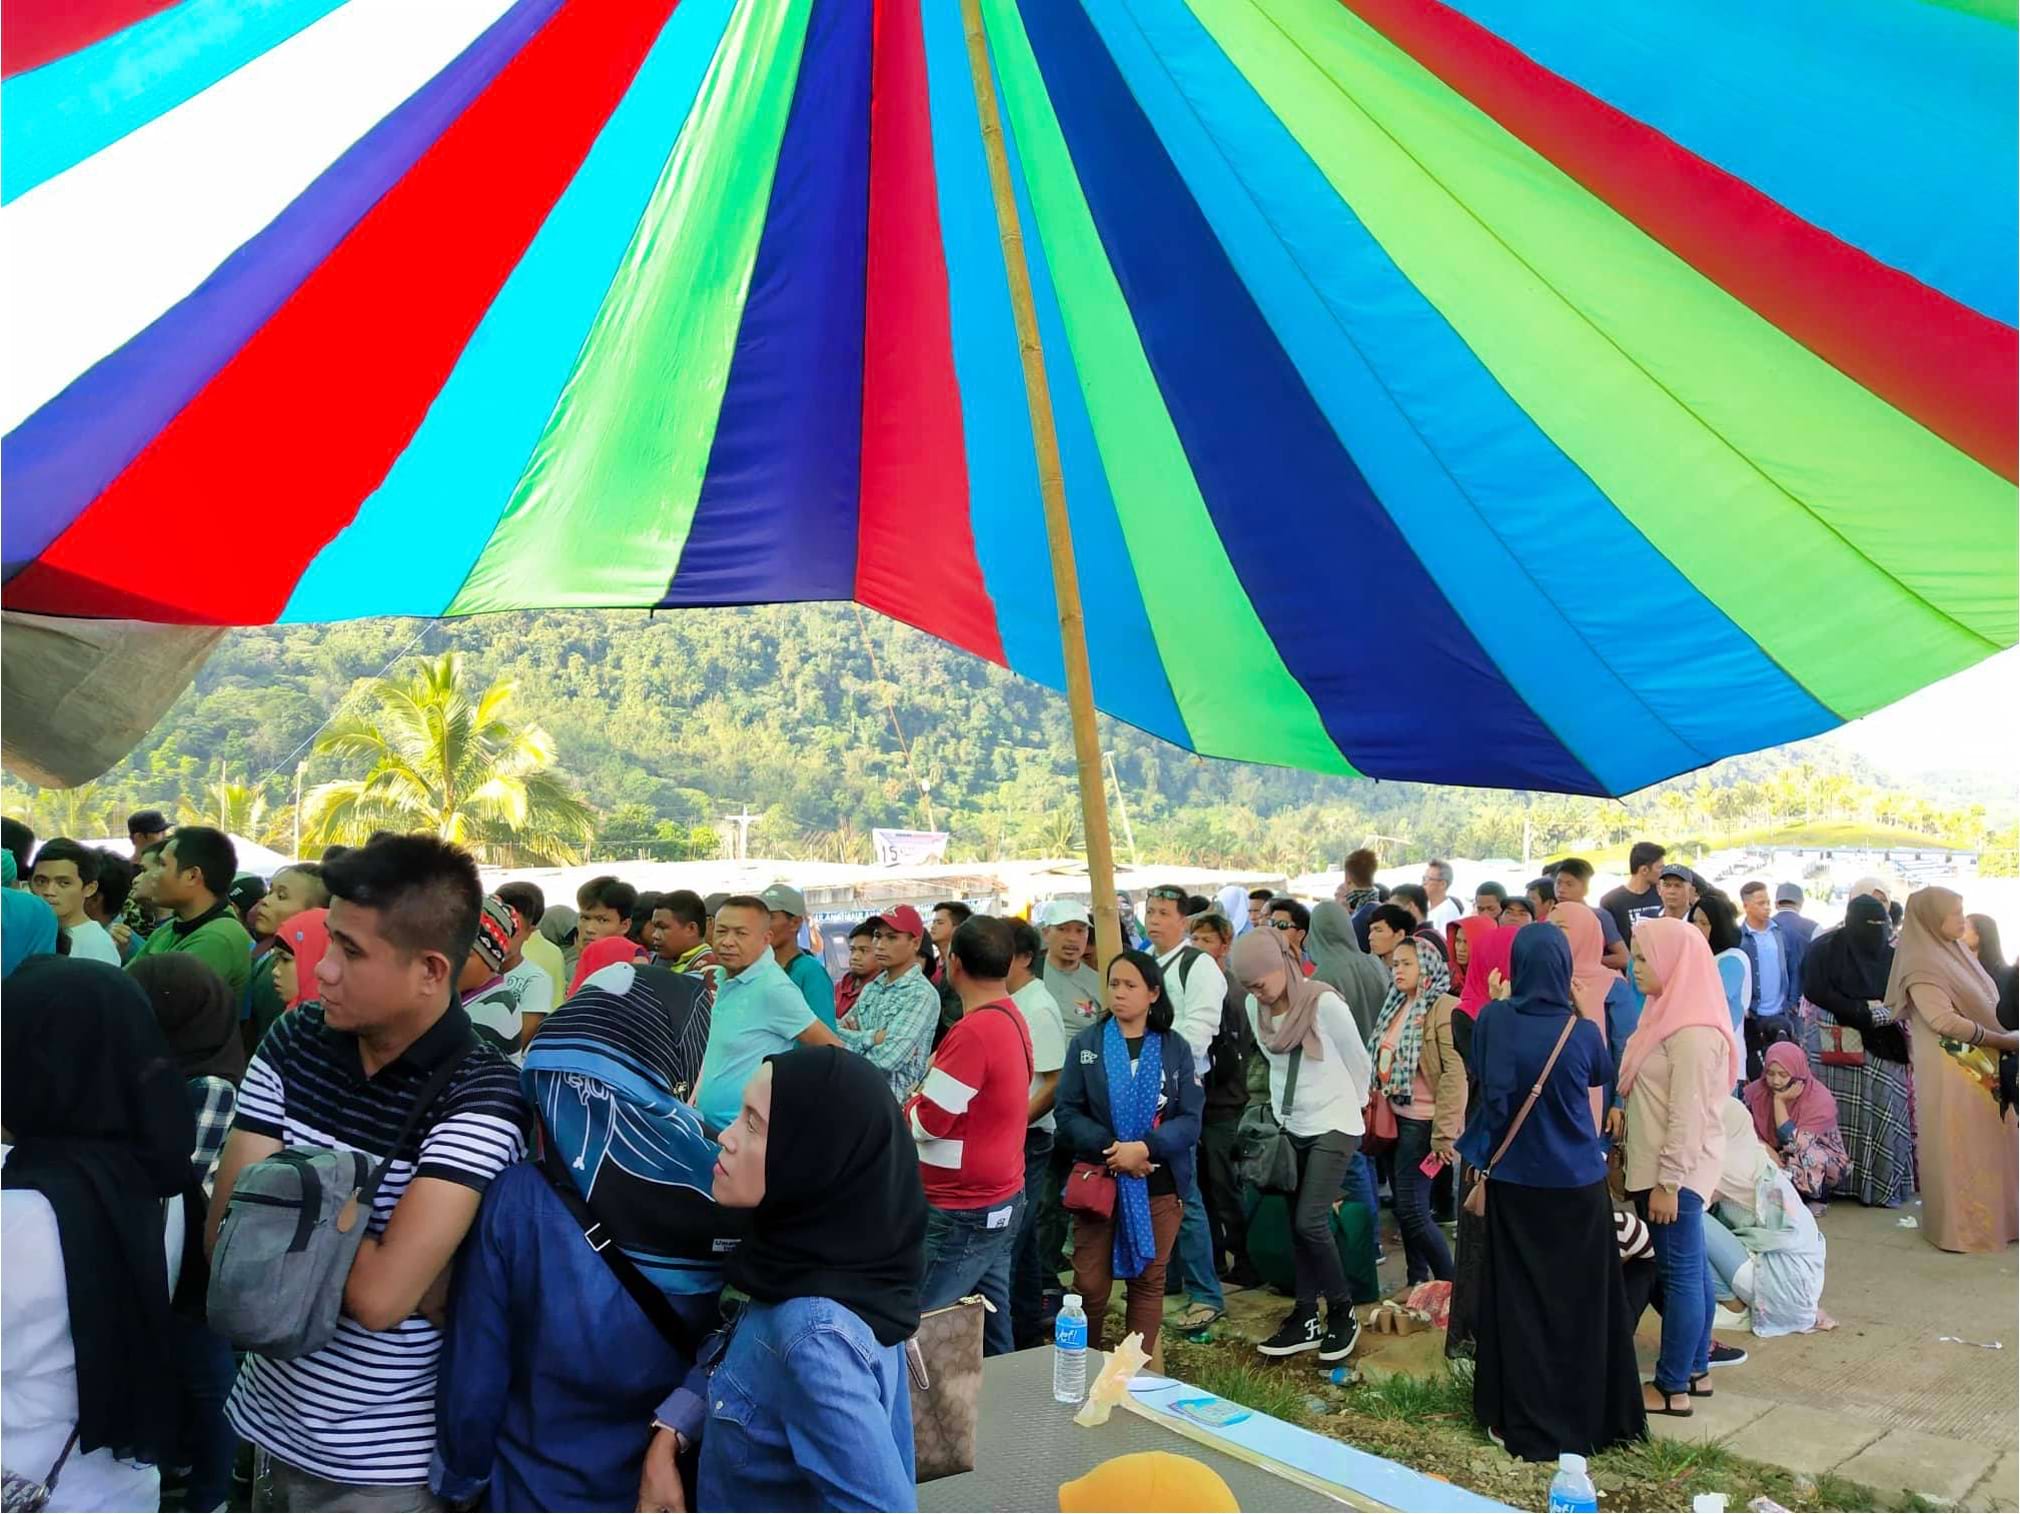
<point>239,809</point>
<point>81,812</point>
<point>441,759</point>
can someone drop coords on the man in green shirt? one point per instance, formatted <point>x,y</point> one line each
<point>197,865</point>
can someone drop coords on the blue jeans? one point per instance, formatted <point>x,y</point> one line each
<point>1424,1250</point>
<point>1028,1280</point>
<point>1195,1253</point>
<point>966,1253</point>
<point>1687,1296</point>
<point>205,1368</point>
<point>1726,1252</point>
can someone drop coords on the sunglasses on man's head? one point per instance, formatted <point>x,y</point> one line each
<point>1174,895</point>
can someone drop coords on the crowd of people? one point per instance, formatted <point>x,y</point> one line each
<point>664,1105</point>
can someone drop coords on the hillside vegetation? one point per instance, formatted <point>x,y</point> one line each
<point>826,723</point>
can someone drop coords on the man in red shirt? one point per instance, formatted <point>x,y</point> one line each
<point>969,1118</point>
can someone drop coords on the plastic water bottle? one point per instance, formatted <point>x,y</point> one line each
<point>1571,1490</point>
<point>1069,1351</point>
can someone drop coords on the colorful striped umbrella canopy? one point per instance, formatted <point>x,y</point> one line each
<point>1498,392</point>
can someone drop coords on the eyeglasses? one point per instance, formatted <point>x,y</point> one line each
<point>1283,925</point>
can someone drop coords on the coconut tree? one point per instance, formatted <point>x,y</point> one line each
<point>440,757</point>
<point>237,808</point>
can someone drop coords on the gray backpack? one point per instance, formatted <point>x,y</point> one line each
<point>290,1233</point>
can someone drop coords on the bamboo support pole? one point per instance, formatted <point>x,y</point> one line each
<point>1052,485</point>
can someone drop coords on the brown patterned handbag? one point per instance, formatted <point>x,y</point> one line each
<point>945,1361</point>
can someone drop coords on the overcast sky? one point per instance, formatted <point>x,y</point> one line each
<point>1970,721</point>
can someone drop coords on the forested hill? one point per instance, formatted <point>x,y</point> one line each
<point>827,723</point>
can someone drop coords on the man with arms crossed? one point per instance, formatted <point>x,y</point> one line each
<point>352,1426</point>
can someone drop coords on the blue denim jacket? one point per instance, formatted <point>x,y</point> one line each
<point>804,1410</point>
<point>549,1370</point>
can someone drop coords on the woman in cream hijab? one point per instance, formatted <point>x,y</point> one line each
<point>1964,1145</point>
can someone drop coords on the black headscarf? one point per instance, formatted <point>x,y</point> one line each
<point>196,1012</point>
<point>844,1211</point>
<point>1853,961</point>
<point>1846,971</point>
<point>96,1107</point>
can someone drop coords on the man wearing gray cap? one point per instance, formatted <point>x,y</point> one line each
<point>1789,912</point>
<point>789,911</point>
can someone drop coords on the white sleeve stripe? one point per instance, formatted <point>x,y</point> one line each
<point>941,1154</point>
<point>949,1092</point>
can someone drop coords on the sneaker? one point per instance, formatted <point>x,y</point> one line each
<point>1340,1339</point>
<point>1731,1319</point>
<point>1300,1331</point>
<point>1723,1355</point>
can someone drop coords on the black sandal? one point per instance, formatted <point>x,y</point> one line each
<point>1663,1407</point>
<point>1695,1391</point>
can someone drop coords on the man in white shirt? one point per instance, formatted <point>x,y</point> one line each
<point>1048,1054</point>
<point>1444,909</point>
<point>66,874</point>
<point>1196,989</point>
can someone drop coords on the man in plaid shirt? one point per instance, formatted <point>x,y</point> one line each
<point>215,1100</point>
<point>897,1012</point>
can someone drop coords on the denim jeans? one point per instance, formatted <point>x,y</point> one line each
<point>1195,1252</point>
<point>1424,1249</point>
<point>967,1254</point>
<point>1687,1296</point>
<point>205,1368</point>
<point>1027,1278</point>
<point>1726,1252</point>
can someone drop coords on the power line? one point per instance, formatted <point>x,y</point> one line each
<point>338,709</point>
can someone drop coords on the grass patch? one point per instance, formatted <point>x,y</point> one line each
<point>1415,1398</point>
<point>1256,1387</point>
<point>1427,1423</point>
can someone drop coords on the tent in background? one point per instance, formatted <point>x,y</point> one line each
<point>1470,393</point>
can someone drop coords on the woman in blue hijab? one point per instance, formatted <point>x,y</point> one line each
<point>1554,1366</point>
<point>27,929</point>
<point>551,1366</point>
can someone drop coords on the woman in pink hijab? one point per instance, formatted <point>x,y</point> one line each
<point>1489,975</point>
<point>1796,1118</point>
<point>1677,1072</point>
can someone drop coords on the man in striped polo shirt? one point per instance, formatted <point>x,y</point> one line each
<point>352,1426</point>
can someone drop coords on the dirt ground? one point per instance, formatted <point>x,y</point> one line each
<point>1881,1413</point>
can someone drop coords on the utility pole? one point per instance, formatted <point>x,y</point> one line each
<point>1122,809</point>
<point>300,767</point>
<point>743,822</point>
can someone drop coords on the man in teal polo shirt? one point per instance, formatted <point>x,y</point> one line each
<point>788,908</point>
<point>197,864</point>
<point>758,1010</point>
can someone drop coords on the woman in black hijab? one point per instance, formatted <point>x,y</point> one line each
<point>198,1015</point>
<point>810,1406</point>
<point>98,1124</point>
<point>1861,1054</point>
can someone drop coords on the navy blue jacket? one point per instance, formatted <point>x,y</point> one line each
<point>1085,1127</point>
<point>550,1372</point>
<point>1793,947</point>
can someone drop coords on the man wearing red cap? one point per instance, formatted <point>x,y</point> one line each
<point>894,1017</point>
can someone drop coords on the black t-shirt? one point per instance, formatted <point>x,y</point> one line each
<point>1627,906</point>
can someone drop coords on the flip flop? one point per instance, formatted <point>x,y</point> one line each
<point>1664,1408</point>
